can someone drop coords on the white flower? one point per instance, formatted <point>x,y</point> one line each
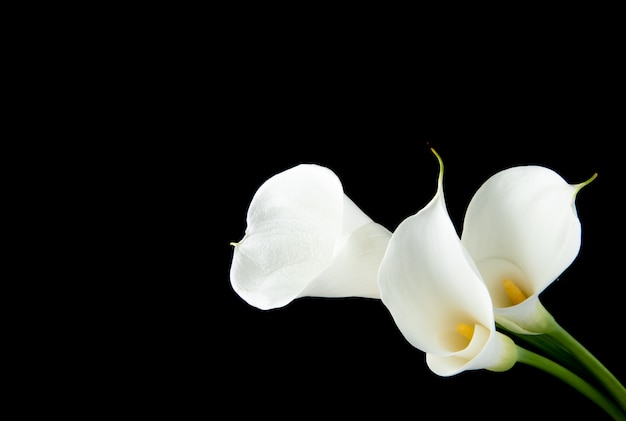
<point>437,297</point>
<point>305,237</point>
<point>522,230</point>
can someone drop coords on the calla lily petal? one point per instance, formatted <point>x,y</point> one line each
<point>528,318</point>
<point>521,225</point>
<point>302,237</point>
<point>354,268</point>
<point>487,349</point>
<point>523,216</point>
<point>430,285</point>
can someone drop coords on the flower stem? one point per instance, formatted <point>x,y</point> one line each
<point>549,346</point>
<point>538,361</point>
<point>592,364</point>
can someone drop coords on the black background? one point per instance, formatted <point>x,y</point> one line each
<point>152,131</point>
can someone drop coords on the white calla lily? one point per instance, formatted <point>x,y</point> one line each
<point>436,296</point>
<point>522,230</point>
<point>305,237</point>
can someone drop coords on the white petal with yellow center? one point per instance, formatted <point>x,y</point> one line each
<point>430,285</point>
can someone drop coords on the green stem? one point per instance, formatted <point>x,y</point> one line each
<point>538,361</point>
<point>549,346</point>
<point>593,365</point>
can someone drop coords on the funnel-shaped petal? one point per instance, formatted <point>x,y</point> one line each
<point>522,226</point>
<point>430,285</point>
<point>305,237</point>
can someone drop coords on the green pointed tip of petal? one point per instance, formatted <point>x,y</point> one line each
<point>440,180</point>
<point>578,187</point>
<point>584,183</point>
<point>234,244</point>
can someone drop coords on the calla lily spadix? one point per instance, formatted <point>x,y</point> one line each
<point>522,230</point>
<point>437,297</point>
<point>305,237</point>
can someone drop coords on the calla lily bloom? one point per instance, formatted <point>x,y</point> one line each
<point>522,230</point>
<point>305,237</point>
<point>437,297</point>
